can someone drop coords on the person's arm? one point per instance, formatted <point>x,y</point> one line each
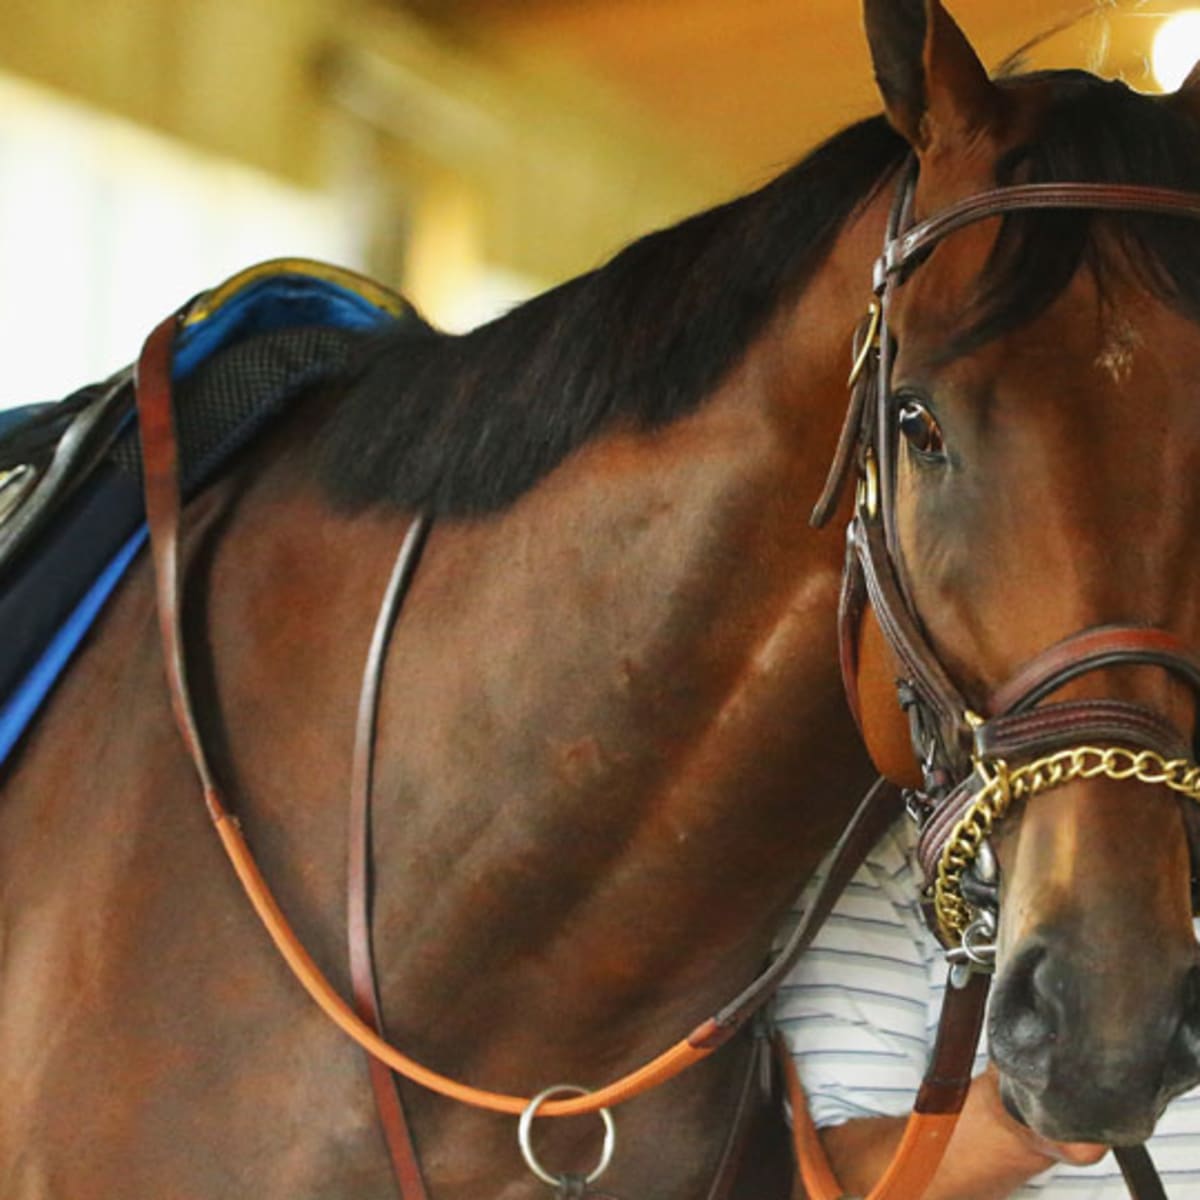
<point>858,1013</point>
<point>989,1156</point>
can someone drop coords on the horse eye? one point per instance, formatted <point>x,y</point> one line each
<point>920,430</point>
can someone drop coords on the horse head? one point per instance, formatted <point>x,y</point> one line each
<point>1044,430</point>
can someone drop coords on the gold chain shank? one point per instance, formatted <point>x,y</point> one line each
<point>1002,786</point>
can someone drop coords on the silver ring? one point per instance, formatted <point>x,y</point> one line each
<point>978,941</point>
<point>526,1126</point>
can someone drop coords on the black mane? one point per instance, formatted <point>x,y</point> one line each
<point>459,425</point>
<point>1094,131</point>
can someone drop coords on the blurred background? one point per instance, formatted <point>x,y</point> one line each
<point>471,152</point>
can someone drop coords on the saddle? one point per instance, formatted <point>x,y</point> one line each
<point>72,517</point>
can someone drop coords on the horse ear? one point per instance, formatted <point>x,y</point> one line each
<point>934,87</point>
<point>1187,98</point>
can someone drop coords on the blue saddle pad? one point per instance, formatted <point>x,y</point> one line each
<point>243,351</point>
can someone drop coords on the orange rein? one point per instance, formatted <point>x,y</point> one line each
<point>156,421</point>
<point>916,1161</point>
<point>666,1066</point>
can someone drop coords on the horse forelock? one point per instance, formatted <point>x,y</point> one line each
<point>466,424</point>
<point>1095,131</point>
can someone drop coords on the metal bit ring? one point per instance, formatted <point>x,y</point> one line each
<point>525,1128</point>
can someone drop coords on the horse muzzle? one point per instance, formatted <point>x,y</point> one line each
<point>1078,1069</point>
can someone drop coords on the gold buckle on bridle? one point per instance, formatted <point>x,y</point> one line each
<point>870,342</point>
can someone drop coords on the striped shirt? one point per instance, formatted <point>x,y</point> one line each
<point>861,1009</point>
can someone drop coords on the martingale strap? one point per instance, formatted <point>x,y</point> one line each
<point>397,1135</point>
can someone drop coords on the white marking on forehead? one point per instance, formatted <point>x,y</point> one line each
<point>1121,342</point>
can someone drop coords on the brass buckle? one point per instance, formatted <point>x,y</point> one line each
<point>870,342</point>
<point>867,495</point>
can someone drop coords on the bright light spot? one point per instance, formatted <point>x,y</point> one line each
<point>1176,48</point>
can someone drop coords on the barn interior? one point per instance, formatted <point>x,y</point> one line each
<point>470,152</point>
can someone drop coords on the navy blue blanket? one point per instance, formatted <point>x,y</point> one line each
<point>245,350</point>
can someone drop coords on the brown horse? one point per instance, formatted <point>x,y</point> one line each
<point>613,739</point>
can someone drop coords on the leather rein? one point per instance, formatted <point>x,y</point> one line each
<point>946,741</point>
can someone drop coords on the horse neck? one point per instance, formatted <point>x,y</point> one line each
<point>612,739</point>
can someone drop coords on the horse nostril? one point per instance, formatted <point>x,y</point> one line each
<point>1026,1013</point>
<point>1183,1061</point>
<point>1189,1025</point>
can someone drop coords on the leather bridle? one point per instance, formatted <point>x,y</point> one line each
<point>962,754</point>
<point>975,765</point>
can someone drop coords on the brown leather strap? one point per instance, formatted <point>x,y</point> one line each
<point>876,812</point>
<point>733,1152</point>
<point>863,383</point>
<point>920,666</point>
<point>941,823</point>
<point>160,472</point>
<point>1095,650</point>
<point>852,603</point>
<point>1141,1176</point>
<point>901,251</point>
<point>948,1076</point>
<point>388,1103</point>
<point>1025,735</point>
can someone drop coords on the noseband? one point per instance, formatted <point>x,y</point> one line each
<point>975,766</point>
